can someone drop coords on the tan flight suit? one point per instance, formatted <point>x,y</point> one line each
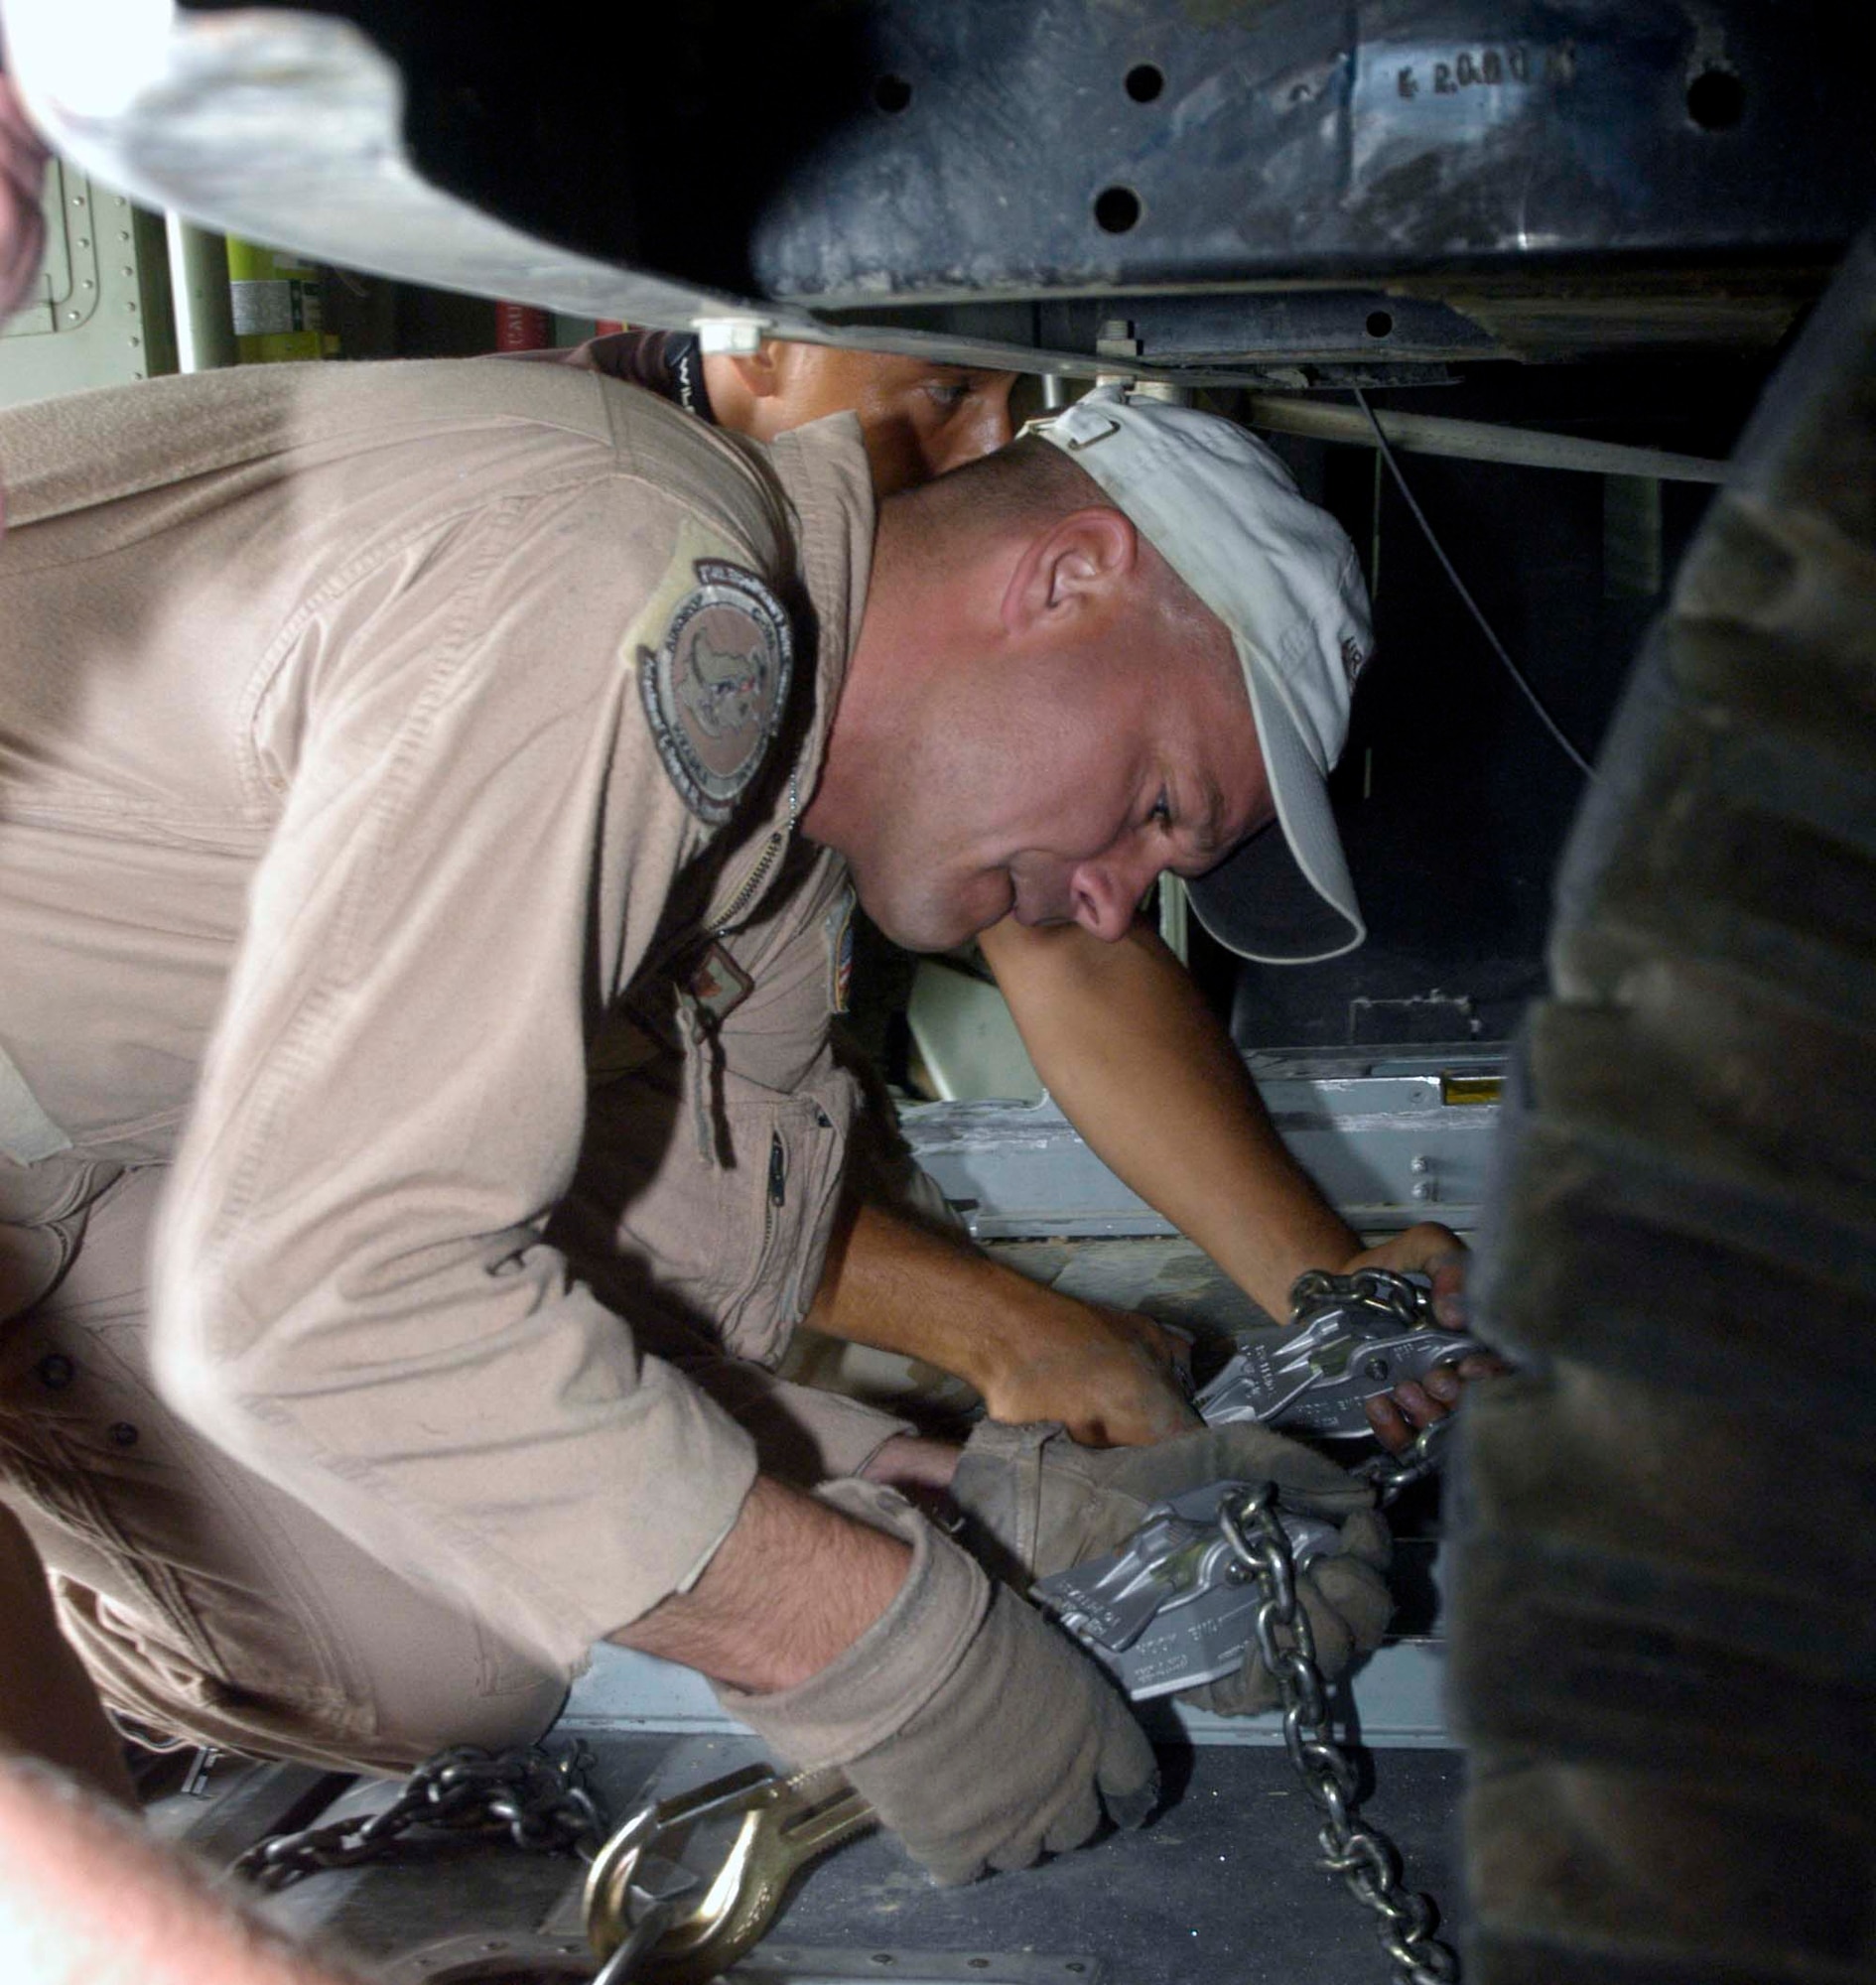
<point>400,917</point>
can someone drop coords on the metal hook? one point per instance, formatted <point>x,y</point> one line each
<point>785,1825</point>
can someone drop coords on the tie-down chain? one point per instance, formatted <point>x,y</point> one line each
<point>1204,1575</point>
<point>1179,1604</point>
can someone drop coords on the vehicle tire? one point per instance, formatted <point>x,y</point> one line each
<point>1663,1611</point>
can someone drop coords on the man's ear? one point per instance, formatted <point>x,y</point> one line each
<point>759,372</point>
<point>1074,574</point>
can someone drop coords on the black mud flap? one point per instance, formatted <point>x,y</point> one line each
<point>1664,1614</point>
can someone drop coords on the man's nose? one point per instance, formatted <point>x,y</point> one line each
<point>994,428</point>
<point>982,432</point>
<point>1105,896</point>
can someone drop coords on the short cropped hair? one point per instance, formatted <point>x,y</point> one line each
<point>1031,482</point>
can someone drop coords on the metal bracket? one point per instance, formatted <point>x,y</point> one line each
<point>730,337</point>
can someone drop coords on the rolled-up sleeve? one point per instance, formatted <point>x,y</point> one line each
<point>477,847</point>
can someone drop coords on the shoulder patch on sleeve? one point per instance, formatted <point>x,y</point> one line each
<point>714,684</point>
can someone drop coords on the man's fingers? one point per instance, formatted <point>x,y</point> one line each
<point>1415,1406</point>
<point>1367,1539</point>
<point>1427,1249</point>
<point>1419,1407</point>
<point>1448,1383</point>
<point>1482,1365</point>
<point>1130,1810</point>
<point>1399,1415</point>
<point>1078,1820</point>
<point>1158,1406</point>
<point>1447,1270</point>
<point>1390,1424</point>
<point>1170,1349</point>
<point>1435,1252</point>
<point>1154,1413</point>
<point>1116,1385</point>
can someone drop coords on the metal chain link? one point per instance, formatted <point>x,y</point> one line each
<point>1406,1303</point>
<point>1393,1474</point>
<point>542,1801</point>
<point>546,1804</point>
<point>1356,1850</point>
<point>1391,1295</point>
<point>1365,1859</point>
<point>622,1969</point>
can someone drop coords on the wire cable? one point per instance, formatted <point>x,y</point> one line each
<point>1512,669</point>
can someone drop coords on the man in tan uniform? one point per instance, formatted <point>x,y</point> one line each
<point>417,786</point>
<point>1109,1014</point>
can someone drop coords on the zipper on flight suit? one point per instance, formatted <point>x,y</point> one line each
<point>752,881</point>
<point>764,862</point>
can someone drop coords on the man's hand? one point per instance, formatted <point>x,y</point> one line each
<point>1039,1503</point>
<point>979,1732</point>
<point>1031,1352</point>
<point>1427,1249</point>
<point>1110,1377</point>
<point>847,1631</point>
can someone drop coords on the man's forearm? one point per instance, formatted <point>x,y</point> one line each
<point>1032,1353</point>
<point>791,1587</point>
<point>1144,1072</point>
<point>890,1282</point>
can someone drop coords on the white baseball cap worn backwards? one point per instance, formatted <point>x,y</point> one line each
<point>1280,571</point>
